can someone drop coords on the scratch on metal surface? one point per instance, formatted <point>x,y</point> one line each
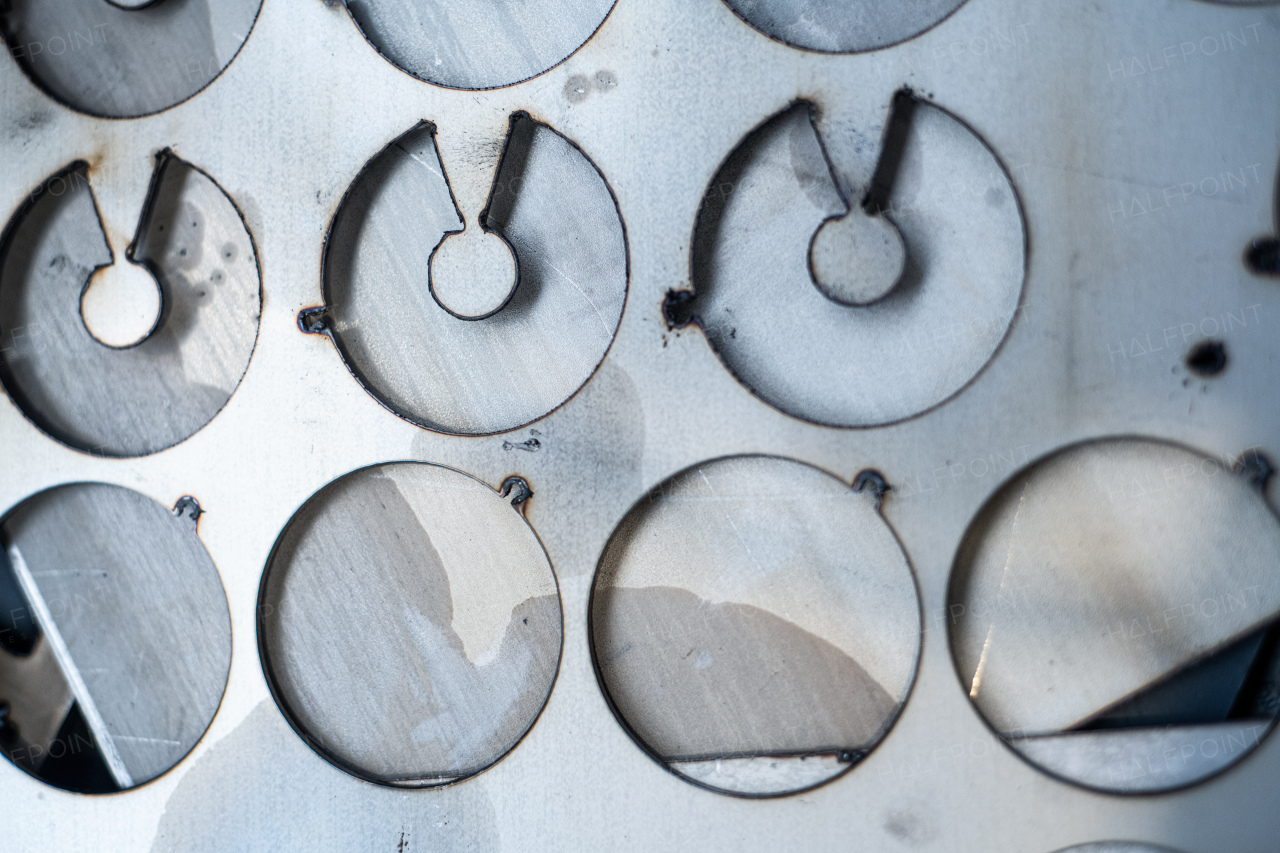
<point>594,307</point>
<point>976,684</point>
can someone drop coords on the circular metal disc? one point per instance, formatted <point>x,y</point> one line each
<point>105,60</point>
<point>477,44</point>
<point>755,625</point>
<point>409,624</point>
<point>1113,610</point>
<point>132,637</point>
<point>497,373</point>
<point>843,26</point>
<point>858,365</point>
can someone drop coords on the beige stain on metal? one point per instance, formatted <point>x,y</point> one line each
<point>1092,125</point>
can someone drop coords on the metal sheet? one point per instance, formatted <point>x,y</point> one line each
<point>827,360</point>
<point>1143,760</point>
<point>1086,579</point>
<point>145,397</point>
<point>477,44</point>
<point>1141,141</point>
<point>554,209</point>
<point>840,26</point>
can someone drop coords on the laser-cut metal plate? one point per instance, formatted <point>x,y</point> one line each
<point>830,360</point>
<point>1097,579</point>
<point>447,611</point>
<point>1140,140</point>
<point>477,44</point>
<point>125,597</point>
<point>516,363</point>
<point>842,26</point>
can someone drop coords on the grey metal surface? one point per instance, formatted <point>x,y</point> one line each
<point>146,397</point>
<point>553,209</point>
<point>409,624</point>
<point>755,608</point>
<point>133,611</point>
<point>1144,760</point>
<point>477,44</point>
<point>1141,139</point>
<point>125,59</point>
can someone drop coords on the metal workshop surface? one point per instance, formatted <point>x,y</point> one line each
<point>1102,166</point>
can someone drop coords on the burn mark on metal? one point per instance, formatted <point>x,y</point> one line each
<point>871,480</point>
<point>1262,256</point>
<point>679,308</point>
<point>314,321</point>
<point>1207,358</point>
<point>188,507</point>
<point>531,445</point>
<point>1256,467</point>
<point>518,489</point>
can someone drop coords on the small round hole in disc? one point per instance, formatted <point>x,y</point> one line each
<point>473,274</point>
<point>121,304</point>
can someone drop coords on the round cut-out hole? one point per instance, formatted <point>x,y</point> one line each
<point>1115,614</point>
<point>121,304</point>
<point>755,625</point>
<point>127,637</point>
<point>410,624</point>
<point>473,274</point>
